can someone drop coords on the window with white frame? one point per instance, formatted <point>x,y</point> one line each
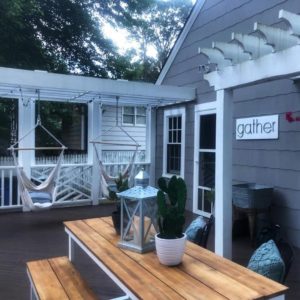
<point>134,115</point>
<point>174,142</point>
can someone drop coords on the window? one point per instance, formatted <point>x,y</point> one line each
<point>67,122</point>
<point>174,136</point>
<point>134,116</point>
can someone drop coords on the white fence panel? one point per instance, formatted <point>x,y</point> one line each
<point>74,181</point>
<point>74,186</point>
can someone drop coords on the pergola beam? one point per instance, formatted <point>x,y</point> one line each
<point>24,83</point>
<point>285,63</point>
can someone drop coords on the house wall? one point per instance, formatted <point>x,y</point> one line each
<point>271,162</point>
<point>115,134</point>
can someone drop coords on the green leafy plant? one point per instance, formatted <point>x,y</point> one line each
<point>121,185</point>
<point>171,200</point>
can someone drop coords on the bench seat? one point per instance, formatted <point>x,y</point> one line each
<point>56,278</point>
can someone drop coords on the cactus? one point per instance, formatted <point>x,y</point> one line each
<point>171,199</point>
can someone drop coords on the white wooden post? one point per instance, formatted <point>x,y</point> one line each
<point>26,123</point>
<point>150,142</point>
<point>223,185</point>
<point>94,129</point>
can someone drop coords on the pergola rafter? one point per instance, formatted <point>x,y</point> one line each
<point>275,54</point>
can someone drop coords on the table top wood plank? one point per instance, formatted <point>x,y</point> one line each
<point>206,275</point>
<point>189,287</point>
<point>261,284</point>
<point>216,277</point>
<point>217,281</point>
<point>141,283</point>
<point>47,285</point>
<point>182,283</point>
<point>75,287</point>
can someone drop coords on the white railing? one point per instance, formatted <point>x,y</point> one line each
<point>9,197</point>
<point>74,186</point>
<point>74,181</point>
<point>108,156</point>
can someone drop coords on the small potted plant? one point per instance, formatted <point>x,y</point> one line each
<point>121,185</point>
<point>171,239</point>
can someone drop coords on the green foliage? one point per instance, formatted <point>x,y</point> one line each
<point>157,25</point>
<point>66,36</point>
<point>171,200</point>
<point>121,185</point>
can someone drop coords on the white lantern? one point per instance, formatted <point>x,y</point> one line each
<point>139,215</point>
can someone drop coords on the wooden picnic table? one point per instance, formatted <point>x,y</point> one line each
<point>201,275</point>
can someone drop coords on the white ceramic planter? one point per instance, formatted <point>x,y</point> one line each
<point>170,251</point>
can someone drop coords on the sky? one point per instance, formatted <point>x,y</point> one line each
<point>121,38</point>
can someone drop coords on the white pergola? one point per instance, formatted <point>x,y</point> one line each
<point>245,61</point>
<point>26,85</point>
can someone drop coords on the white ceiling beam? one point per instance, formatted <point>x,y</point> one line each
<point>278,38</point>
<point>215,56</point>
<point>233,52</point>
<point>285,63</point>
<point>251,44</point>
<point>293,20</point>
<point>77,84</point>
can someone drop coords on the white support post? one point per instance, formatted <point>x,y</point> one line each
<point>223,185</point>
<point>26,123</point>
<point>94,129</point>
<point>151,143</point>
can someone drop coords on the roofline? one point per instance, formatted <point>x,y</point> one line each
<point>195,12</point>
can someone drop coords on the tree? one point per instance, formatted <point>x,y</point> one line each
<point>158,26</point>
<point>65,35</point>
<point>54,35</point>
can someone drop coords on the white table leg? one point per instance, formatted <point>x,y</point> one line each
<point>74,240</point>
<point>71,249</point>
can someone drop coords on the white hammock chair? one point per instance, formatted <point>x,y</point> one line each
<point>37,197</point>
<point>128,172</point>
<point>105,178</point>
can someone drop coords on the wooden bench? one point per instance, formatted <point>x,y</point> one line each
<point>56,278</point>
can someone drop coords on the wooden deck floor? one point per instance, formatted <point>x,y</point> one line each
<point>30,236</point>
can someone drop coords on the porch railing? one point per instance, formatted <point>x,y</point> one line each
<point>74,187</point>
<point>114,156</point>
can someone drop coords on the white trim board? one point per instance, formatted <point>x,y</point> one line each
<point>200,110</point>
<point>194,14</point>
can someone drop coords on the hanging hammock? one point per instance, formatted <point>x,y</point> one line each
<point>105,178</point>
<point>128,172</point>
<point>37,197</point>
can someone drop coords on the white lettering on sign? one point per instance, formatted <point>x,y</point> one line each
<point>257,128</point>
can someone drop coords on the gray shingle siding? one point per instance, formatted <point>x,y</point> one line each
<point>271,162</point>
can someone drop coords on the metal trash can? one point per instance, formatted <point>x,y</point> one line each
<point>252,196</point>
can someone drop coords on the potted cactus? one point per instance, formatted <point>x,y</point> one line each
<point>170,241</point>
